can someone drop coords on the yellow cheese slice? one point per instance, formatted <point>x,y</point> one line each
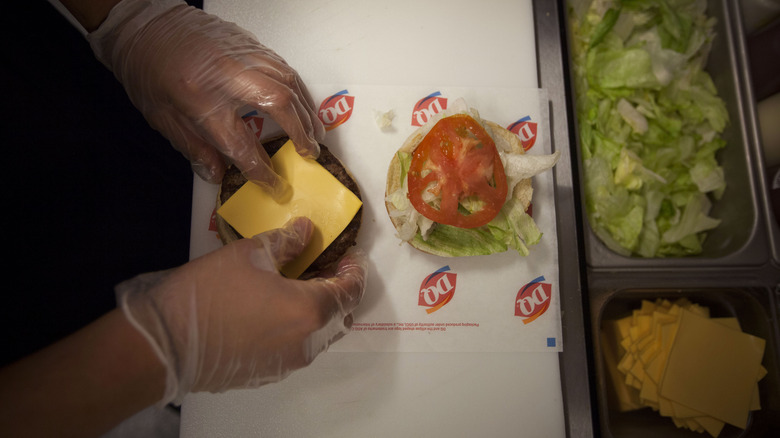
<point>656,367</point>
<point>626,343</point>
<point>702,311</point>
<point>665,408</point>
<point>682,411</point>
<point>711,425</point>
<point>733,323</point>
<point>315,193</point>
<point>762,372</point>
<point>626,363</point>
<point>623,325</point>
<point>626,398</point>
<point>693,425</point>
<point>755,402</point>
<point>716,378</point>
<point>649,391</point>
<point>638,371</point>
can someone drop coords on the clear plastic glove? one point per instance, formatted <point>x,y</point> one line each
<point>190,73</point>
<point>230,320</point>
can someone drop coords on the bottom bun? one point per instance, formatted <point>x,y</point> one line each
<point>477,241</point>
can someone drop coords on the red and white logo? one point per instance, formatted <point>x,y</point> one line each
<point>254,122</point>
<point>213,220</point>
<point>533,300</point>
<point>428,107</point>
<point>336,109</point>
<point>526,130</point>
<point>437,289</point>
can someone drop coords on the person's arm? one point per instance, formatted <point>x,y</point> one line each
<point>193,75</point>
<point>83,385</point>
<point>89,13</point>
<point>226,320</point>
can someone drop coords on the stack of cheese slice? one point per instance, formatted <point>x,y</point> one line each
<point>701,372</point>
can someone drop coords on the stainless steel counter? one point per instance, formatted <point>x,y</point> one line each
<point>575,360</point>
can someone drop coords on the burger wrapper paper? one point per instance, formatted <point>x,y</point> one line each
<point>417,302</point>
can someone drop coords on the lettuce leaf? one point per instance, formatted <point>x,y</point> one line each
<point>513,228</point>
<point>457,242</point>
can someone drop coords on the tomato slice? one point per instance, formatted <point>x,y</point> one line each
<point>457,162</point>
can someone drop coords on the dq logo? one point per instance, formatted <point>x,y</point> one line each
<point>213,220</point>
<point>428,107</point>
<point>437,289</point>
<point>533,299</point>
<point>254,122</point>
<point>336,109</point>
<point>526,130</point>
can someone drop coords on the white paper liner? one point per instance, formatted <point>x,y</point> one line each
<point>480,316</point>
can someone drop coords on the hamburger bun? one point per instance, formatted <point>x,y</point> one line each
<point>505,141</point>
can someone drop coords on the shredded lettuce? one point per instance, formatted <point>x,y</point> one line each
<point>650,123</point>
<point>405,160</point>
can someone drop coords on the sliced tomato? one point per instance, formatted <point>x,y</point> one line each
<point>457,161</point>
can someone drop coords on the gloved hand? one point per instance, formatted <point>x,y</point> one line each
<point>190,73</point>
<point>230,320</point>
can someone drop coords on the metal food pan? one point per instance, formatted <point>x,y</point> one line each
<point>742,237</point>
<point>771,176</point>
<point>755,308</point>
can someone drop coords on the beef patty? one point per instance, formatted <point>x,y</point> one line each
<point>233,180</point>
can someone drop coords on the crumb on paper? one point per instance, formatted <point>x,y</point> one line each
<point>384,119</point>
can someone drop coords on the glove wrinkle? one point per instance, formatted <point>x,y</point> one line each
<point>147,316</point>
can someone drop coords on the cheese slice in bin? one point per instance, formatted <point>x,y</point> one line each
<point>701,372</point>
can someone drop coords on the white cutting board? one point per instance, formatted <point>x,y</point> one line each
<point>399,42</point>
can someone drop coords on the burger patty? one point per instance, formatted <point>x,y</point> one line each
<point>234,180</point>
